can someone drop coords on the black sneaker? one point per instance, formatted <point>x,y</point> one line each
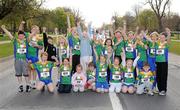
<point>20,89</point>
<point>28,88</point>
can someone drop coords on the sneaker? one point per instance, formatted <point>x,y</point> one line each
<point>28,88</point>
<point>150,93</point>
<point>33,85</point>
<point>162,93</point>
<point>20,89</point>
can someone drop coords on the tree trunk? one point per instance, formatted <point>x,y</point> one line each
<point>160,24</point>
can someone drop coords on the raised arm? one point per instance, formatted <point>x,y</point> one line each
<point>123,57</point>
<point>97,58</point>
<point>89,30</point>
<point>21,26</point>
<point>136,60</point>
<point>79,30</point>
<point>168,31</point>
<point>7,32</point>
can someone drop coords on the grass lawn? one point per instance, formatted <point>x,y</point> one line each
<point>6,50</point>
<point>175,47</point>
<point>4,38</point>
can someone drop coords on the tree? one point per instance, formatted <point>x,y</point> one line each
<point>148,20</point>
<point>15,6</point>
<point>159,7</point>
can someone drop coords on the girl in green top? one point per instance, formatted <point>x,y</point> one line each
<point>128,74</point>
<point>64,78</point>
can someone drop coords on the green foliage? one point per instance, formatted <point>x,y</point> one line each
<point>147,20</point>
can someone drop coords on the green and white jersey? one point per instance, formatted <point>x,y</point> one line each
<point>44,70</point>
<point>101,72</point>
<point>65,74</point>
<point>128,76</point>
<point>129,50</point>
<point>162,52</point>
<point>115,74</point>
<point>20,48</point>
<point>33,51</point>
<point>118,48</point>
<point>142,51</point>
<point>152,49</point>
<point>76,46</point>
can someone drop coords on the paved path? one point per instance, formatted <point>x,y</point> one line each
<point>12,100</point>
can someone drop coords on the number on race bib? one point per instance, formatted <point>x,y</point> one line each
<point>21,50</point>
<point>77,47</point>
<point>160,51</point>
<point>102,74</point>
<point>65,73</point>
<point>79,81</point>
<point>129,49</point>
<point>128,75</point>
<point>116,77</point>
<point>63,51</point>
<point>45,74</point>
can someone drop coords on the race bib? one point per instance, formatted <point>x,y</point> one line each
<point>160,51</point>
<point>21,50</point>
<point>116,77</point>
<point>63,51</point>
<point>102,74</point>
<point>45,74</point>
<point>129,49</point>
<point>152,51</point>
<point>77,47</point>
<point>129,75</point>
<point>79,81</point>
<point>145,80</point>
<point>65,73</point>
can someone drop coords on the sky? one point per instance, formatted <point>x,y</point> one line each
<point>101,11</point>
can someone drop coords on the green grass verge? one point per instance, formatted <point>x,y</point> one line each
<point>175,47</point>
<point>4,38</point>
<point>6,50</point>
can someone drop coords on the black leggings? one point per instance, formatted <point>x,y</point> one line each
<point>161,75</point>
<point>64,88</point>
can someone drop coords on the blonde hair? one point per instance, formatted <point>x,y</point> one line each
<point>44,53</point>
<point>61,37</point>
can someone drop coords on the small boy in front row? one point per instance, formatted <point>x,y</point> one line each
<point>145,80</point>
<point>91,76</point>
<point>78,79</point>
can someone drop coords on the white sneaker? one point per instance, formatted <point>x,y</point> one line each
<point>150,93</point>
<point>162,93</point>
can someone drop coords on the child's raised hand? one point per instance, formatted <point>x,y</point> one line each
<point>44,29</point>
<point>53,57</point>
<point>168,31</point>
<point>23,22</point>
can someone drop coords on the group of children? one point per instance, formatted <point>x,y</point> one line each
<point>128,63</point>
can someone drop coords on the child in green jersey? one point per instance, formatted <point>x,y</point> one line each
<point>20,52</point>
